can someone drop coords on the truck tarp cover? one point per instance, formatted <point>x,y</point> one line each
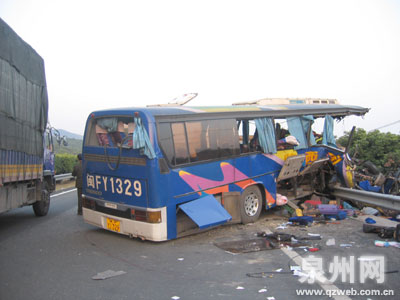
<point>23,95</point>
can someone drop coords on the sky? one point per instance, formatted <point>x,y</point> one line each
<point>103,54</point>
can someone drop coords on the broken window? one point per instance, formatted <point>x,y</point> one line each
<point>247,136</point>
<point>110,132</point>
<point>300,128</point>
<point>266,134</point>
<point>284,139</point>
<point>328,137</point>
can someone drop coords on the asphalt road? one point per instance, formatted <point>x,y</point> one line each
<point>55,257</point>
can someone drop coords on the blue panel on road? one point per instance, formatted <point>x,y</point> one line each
<point>206,212</point>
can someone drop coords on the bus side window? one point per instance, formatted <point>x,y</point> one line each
<point>254,143</point>
<point>194,135</point>
<point>180,143</point>
<point>193,141</point>
<point>247,135</point>
<point>166,142</point>
<point>227,138</point>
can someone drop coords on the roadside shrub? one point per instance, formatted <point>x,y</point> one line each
<point>382,149</point>
<point>64,163</point>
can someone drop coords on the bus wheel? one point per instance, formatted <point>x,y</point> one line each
<point>250,204</point>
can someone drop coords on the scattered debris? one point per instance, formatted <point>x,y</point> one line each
<point>231,253</point>
<point>284,225</point>
<point>387,244</point>
<point>370,211</point>
<point>370,221</point>
<point>304,220</point>
<point>280,237</point>
<point>314,234</point>
<point>385,228</point>
<point>313,249</point>
<point>292,205</point>
<point>295,268</point>
<point>330,242</point>
<point>300,274</point>
<point>285,237</point>
<point>281,200</point>
<point>328,209</point>
<point>107,274</point>
<point>299,212</point>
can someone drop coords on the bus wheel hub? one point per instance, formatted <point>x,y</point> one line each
<point>251,205</point>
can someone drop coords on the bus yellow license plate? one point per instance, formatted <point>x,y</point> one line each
<point>113,225</point>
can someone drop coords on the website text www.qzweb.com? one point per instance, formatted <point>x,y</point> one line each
<point>346,292</point>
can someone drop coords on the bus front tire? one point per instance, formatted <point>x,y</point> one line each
<point>250,204</point>
<point>41,208</point>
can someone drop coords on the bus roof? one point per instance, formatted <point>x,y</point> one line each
<point>244,111</point>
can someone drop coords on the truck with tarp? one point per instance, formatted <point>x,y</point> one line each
<point>26,144</point>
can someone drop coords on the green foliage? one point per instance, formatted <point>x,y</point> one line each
<point>74,147</point>
<point>382,149</point>
<point>64,163</point>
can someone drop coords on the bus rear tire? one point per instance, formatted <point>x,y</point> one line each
<point>250,204</point>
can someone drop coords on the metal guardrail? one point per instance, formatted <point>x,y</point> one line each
<point>61,177</point>
<point>381,200</point>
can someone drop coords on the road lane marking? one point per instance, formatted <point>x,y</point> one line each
<point>62,193</point>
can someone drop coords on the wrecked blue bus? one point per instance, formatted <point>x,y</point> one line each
<point>158,173</point>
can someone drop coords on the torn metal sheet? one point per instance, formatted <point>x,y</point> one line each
<point>206,212</point>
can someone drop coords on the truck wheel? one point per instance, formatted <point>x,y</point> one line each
<point>41,207</point>
<point>250,204</point>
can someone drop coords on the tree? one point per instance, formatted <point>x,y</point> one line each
<point>64,163</point>
<point>382,149</point>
